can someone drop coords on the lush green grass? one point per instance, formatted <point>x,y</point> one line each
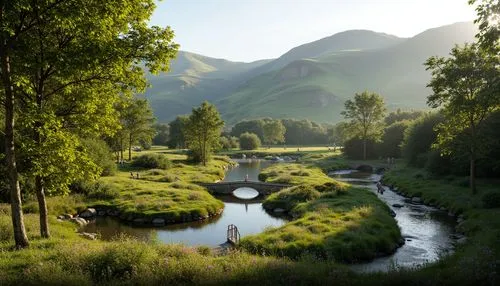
<point>297,174</point>
<point>332,220</point>
<point>283,151</point>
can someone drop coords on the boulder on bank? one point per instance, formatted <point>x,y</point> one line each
<point>279,210</point>
<point>88,213</point>
<point>79,221</point>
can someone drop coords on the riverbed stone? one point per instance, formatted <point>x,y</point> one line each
<point>79,221</point>
<point>88,235</point>
<point>398,205</point>
<point>416,200</point>
<point>140,221</point>
<point>279,210</point>
<point>101,212</point>
<point>88,213</point>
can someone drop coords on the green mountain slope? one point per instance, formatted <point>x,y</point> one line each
<point>192,79</point>
<point>317,88</point>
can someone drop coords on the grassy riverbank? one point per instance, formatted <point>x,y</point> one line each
<point>170,195</point>
<point>332,220</point>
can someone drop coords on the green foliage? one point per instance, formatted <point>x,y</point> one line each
<point>100,154</point>
<point>255,126</point>
<point>400,115</point>
<point>488,17</point>
<point>289,198</point>
<point>393,137</point>
<point>366,112</point>
<point>162,134</point>
<point>202,132</point>
<point>249,141</point>
<point>304,132</point>
<point>177,127</point>
<point>466,86</point>
<point>274,132</point>
<point>151,161</point>
<point>419,137</point>
<point>491,199</point>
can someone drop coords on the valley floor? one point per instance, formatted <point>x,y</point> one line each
<point>68,259</point>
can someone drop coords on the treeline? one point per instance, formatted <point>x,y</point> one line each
<point>412,135</point>
<point>254,133</point>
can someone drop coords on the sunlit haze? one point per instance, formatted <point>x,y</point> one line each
<point>246,30</point>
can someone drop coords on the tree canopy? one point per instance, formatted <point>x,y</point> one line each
<point>464,85</point>
<point>202,132</point>
<point>366,112</point>
<point>63,66</point>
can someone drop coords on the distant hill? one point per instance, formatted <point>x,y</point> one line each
<point>310,81</point>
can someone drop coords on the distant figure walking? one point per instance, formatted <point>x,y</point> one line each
<point>137,175</point>
<point>246,178</point>
<point>131,175</point>
<point>380,188</point>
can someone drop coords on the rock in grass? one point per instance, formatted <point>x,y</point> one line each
<point>88,213</point>
<point>90,236</point>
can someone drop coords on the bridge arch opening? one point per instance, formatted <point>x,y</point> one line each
<point>245,193</point>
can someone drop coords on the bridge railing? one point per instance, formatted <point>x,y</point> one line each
<point>233,235</point>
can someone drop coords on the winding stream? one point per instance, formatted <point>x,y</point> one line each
<point>426,230</point>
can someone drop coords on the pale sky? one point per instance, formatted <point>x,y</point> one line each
<point>248,30</point>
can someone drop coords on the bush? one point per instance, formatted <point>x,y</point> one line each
<point>151,161</point>
<point>392,139</point>
<point>249,141</point>
<point>95,190</point>
<point>101,155</point>
<point>419,137</point>
<point>491,200</point>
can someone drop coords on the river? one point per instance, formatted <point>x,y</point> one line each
<point>427,231</point>
<point>248,215</point>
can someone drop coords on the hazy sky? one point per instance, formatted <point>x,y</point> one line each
<point>248,30</point>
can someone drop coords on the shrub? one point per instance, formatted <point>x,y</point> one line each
<point>249,141</point>
<point>101,155</point>
<point>151,161</point>
<point>392,139</point>
<point>95,190</point>
<point>419,137</point>
<point>491,200</point>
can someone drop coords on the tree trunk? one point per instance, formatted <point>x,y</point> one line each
<point>364,148</point>
<point>472,174</point>
<point>42,205</point>
<point>20,237</point>
<point>40,192</point>
<point>130,147</point>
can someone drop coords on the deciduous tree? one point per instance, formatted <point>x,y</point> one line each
<point>465,85</point>
<point>366,112</point>
<point>274,132</point>
<point>66,63</point>
<point>202,131</point>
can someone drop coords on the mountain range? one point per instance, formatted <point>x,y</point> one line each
<point>310,81</point>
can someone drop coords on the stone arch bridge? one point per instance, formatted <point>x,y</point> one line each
<point>226,188</point>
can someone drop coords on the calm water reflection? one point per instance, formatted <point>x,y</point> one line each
<point>247,215</point>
